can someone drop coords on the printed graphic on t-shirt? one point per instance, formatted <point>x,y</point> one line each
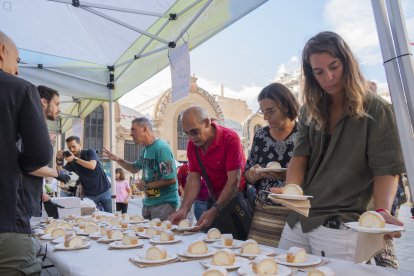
<point>166,168</point>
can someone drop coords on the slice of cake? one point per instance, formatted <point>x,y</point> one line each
<point>371,219</point>
<point>292,189</point>
<point>91,228</point>
<point>321,271</point>
<point>115,234</point>
<point>104,230</point>
<point>296,255</point>
<point>125,216</point>
<point>49,229</point>
<point>166,235</point>
<point>215,271</point>
<point>73,242</point>
<point>124,224</point>
<point>184,223</point>
<point>224,257</point>
<point>198,247</point>
<point>136,218</point>
<point>250,247</point>
<point>166,224</point>
<point>138,228</point>
<point>213,234</point>
<point>273,165</point>
<point>58,232</point>
<point>157,252</point>
<point>155,222</point>
<point>66,225</point>
<point>227,239</point>
<point>264,265</point>
<point>129,239</point>
<point>152,231</point>
<point>115,223</point>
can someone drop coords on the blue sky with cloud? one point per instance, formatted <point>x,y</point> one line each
<point>257,49</point>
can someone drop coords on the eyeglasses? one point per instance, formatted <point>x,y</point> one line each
<point>267,111</point>
<point>192,132</point>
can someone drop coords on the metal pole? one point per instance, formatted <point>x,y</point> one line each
<point>112,147</point>
<point>385,29</point>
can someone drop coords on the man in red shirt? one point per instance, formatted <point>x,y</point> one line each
<point>220,151</point>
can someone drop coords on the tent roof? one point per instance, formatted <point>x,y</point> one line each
<point>83,49</point>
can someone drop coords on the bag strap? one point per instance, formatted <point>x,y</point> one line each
<point>205,176</point>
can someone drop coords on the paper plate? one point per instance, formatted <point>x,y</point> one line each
<point>185,253</point>
<point>158,241</point>
<point>271,170</point>
<point>247,270</point>
<point>61,246</point>
<point>141,259</point>
<point>238,263</point>
<point>311,260</point>
<point>236,244</point>
<point>389,228</point>
<point>119,245</point>
<point>291,197</point>
<point>263,251</point>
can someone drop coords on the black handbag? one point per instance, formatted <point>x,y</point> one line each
<point>235,217</point>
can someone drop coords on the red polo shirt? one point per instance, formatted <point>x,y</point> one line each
<point>224,154</point>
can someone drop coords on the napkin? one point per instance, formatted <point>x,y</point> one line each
<point>368,245</point>
<point>299,206</point>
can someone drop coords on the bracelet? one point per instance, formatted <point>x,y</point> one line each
<point>251,177</point>
<point>382,210</point>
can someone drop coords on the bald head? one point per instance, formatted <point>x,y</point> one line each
<point>197,113</point>
<point>9,56</point>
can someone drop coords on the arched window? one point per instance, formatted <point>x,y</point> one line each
<point>93,130</point>
<point>182,139</point>
<point>256,128</point>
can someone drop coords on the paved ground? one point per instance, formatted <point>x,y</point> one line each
<point>404,246</point>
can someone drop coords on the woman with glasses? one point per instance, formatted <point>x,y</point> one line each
<point>273,143</point>
<point>347,151</point>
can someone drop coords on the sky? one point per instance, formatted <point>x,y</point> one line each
<point>260,47</point>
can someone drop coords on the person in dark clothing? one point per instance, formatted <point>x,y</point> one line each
<point>21,119</point>
<point>85,164</point>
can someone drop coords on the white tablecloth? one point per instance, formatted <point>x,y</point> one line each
<point>98,260</point>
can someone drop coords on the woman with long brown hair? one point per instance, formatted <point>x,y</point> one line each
<point>347,151</point>
<point>123,191</point>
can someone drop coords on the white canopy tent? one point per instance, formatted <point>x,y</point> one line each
<point>98,50</point>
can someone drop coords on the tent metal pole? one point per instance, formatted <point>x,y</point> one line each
<point>192,5</point>
<point>130,61</point>
<point>74,76</point>
<point>112,146</point>
<point>400,106</point>
<point>125,24</point>
<point>112,8</point>
<point>183,31</point>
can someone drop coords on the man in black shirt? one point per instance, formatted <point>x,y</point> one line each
<point>85,163</point>
<point>21,117</point>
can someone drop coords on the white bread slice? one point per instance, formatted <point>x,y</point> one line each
<point>166,235</point>
<point>321,271</point>
<point>136,218</point>
<point>58,232</point>
<point>155,222</point>
<point>152,231</point>
<point>166,224</point>
<point>184,223</point>
<point>371,219</point>
<point>115,234</point>
<point>213,234</point>
<point>250,247</point>
<point>91,228</point>
<point>129,239</point>
<point>198,247</point>
<point>224,257</point>
<point>73,242</point>
<point>296,255</point>
<point>273,165</point>
<point>264,265</point>
<point>49,229</point>
<point>292,189</point>
<point>157,252</point>
<point>215,271</point>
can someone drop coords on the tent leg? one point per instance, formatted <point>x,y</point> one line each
<point>112,147</point>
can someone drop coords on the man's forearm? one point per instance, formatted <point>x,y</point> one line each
<point>45,172</point>
<point>160,183</point>
<point>129,166</point>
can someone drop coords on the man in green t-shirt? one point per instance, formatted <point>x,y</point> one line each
<point>159,178</point>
